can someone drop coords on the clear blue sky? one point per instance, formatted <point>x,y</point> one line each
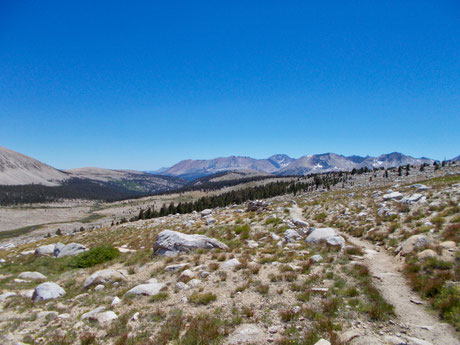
<point>144,84</point>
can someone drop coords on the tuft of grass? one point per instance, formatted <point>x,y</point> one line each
<point>171,329</point>
<point>159,297</point>
<point>202,298</point>
<point>203,329</point>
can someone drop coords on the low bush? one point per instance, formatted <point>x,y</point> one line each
<point>94,256</point>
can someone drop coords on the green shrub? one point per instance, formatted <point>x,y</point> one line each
<point>94,256</point>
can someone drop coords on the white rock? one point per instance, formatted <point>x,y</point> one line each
<point>104,317</point>
<point>170,243</point>
<point>31,275</point>
<point>320,234</point>
<point>300,223</point>
<point>6,295</point>
<point>70,249</point>
<point>46,291</point>
<point>414,242</point>
<point>104,276</point>
<point>336,241</point>
<point>291,235</point>
<point>194,282</point>
<point>322,342</point>
<point>210,221</point>
<point>115,301</point>
<point>182,286</point>
<point>185,276</point>
<point>92,313</point>
<point>99,287</point>
<point>205,213</point>
<point>393,196</point>
<point>231,264</point>
<point>316,258</point>
<point>146,289</point>
<point>252,244</point>
<point>45,250</point>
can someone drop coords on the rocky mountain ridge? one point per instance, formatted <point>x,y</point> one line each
<point>282,164</point>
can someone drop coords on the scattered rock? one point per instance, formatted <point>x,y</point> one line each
<point>170,243</point>
<point>316,258</point>
<point>185,276</point>
<point>92,313</point>
<point>104,317</point>
<point>32,275</point>
<point>291,236</point>
<point>146,289</point>
<point>427,253</point>
<point>320,234</point>
<point>45,250</point>
<point>336,241</point>
<point>115,301</point>
<point>231,264</point>
<point>205,213</point>
<point>7,295</point>
<point>393,196</point>
<point>46,291</point>
<point>70,249</point>
<point>413,242</point>
<point>104,276</point>
<point>210,221</point>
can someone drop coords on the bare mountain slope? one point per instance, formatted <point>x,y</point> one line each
<point>19,169</point>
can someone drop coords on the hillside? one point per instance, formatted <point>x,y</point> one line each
<point>19,169</point>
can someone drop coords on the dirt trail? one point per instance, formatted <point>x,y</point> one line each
<point>386,271</point>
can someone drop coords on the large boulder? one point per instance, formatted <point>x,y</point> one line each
<point>32,275</point>
<point>321,234</point>
<point>414,242</point>
<point>149,289</point>
<point>104,276</point>
<point>170,243</point>
<point>70,249</point>
<point>47,291</point>
<point>45,250</point>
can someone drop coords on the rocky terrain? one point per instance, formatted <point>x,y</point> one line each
<point>374,260</point>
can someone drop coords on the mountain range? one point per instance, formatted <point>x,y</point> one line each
<point>19,169</point>
<point>282,164</point>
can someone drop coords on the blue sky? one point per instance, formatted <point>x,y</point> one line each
<point>144,84</point>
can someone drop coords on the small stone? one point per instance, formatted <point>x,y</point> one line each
<point>115,301</point>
